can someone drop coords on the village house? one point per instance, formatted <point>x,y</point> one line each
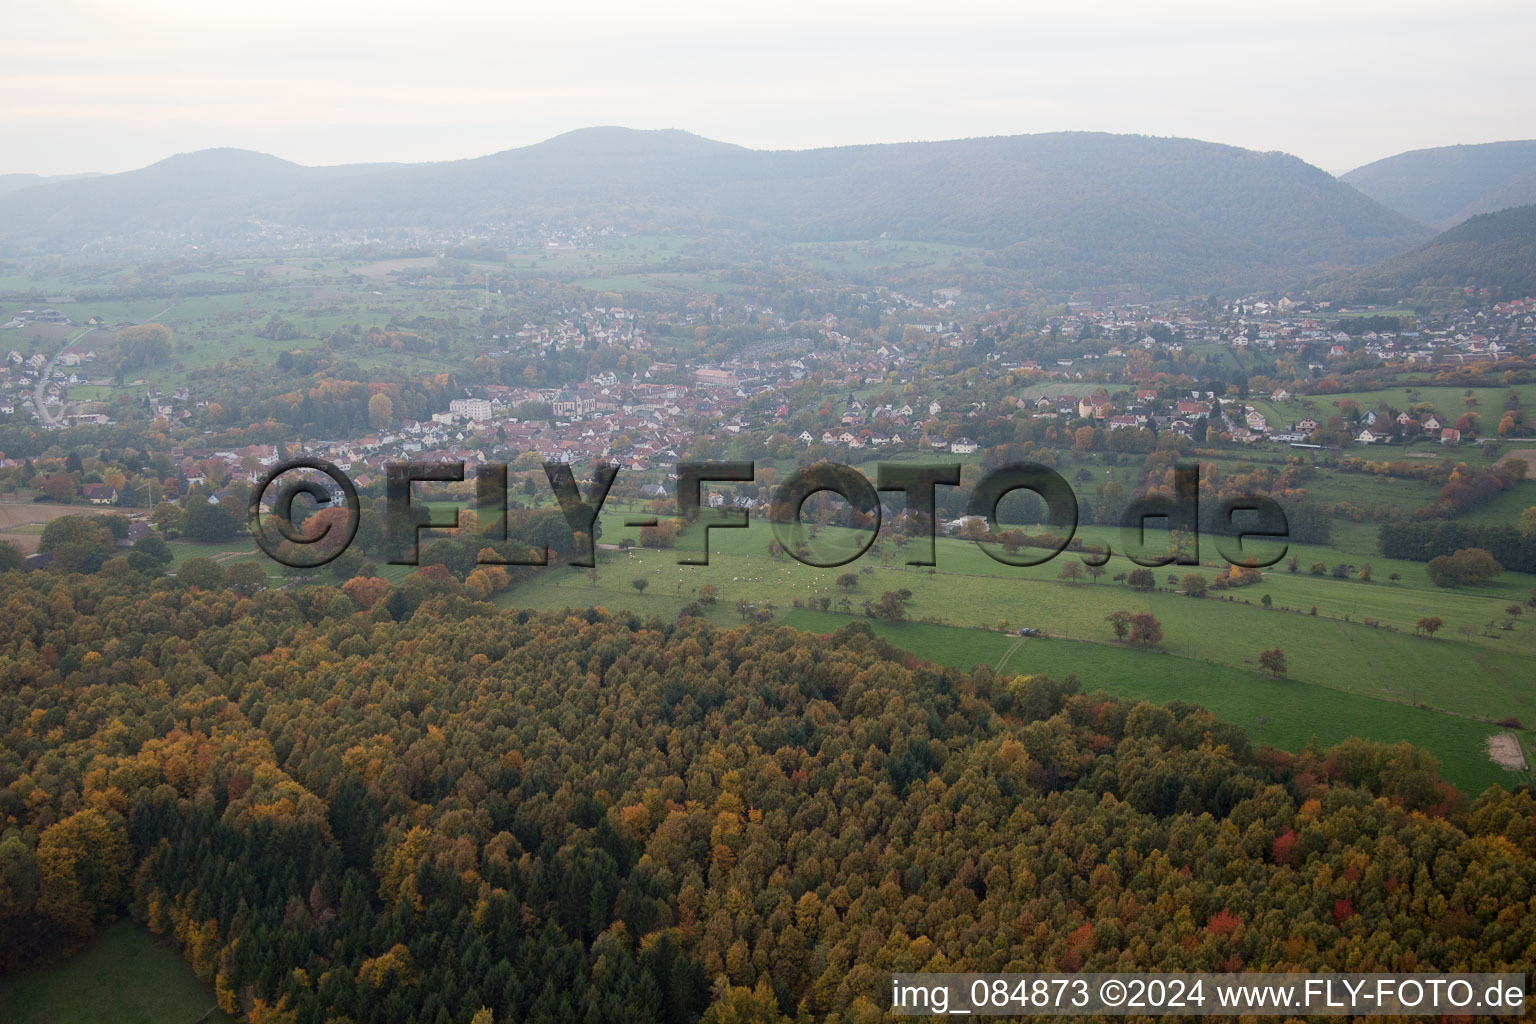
<point>1094,407</point>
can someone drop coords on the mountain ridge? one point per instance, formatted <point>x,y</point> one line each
<point>1444,185</point>
<point>15,182</point>
<point>1172,214</point>
<point>1495,250</point>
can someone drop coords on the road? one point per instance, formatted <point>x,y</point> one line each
<point>48,418</point>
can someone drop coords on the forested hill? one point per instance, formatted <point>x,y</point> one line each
<point>12,182</point>
<point>209,195</point>
<point>1447,185</point>
<point>391,805</point>
<point>1079,209</point>
<point>1496,251</point>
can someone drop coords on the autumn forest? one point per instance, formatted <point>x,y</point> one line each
<point>341,806</point>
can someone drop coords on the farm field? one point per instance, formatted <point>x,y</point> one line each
<point>1280,713</point>
<point>1462,682</point>
<point>317,295</point>
<point>127,975</point>
<point>22,522</point>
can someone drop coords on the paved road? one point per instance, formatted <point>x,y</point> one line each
<point>48,418</point>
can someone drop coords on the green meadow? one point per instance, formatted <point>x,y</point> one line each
<point>1379,680</point>
<point>127,975</point>
<point>1447,401</point>
<point>1281,713</point>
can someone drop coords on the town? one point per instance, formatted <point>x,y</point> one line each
<point>1114,371</point>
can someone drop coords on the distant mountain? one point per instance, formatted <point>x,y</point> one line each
<point>12,182</point>
<point>1059,210</point>
<point>1496,251</point>
<point>1445,186</point>
<point>208,194</point>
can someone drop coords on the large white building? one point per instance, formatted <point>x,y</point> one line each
<point>470,408</point>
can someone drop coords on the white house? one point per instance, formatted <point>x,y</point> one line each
<point>470,408</point>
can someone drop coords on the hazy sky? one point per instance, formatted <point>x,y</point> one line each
<point>100,86</point>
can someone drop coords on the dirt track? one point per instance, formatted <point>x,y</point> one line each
<point>1504,749</point>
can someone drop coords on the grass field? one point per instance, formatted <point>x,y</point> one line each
<point>1281,713</point>
<point>229,551</point>
<point>1381,682</point>
<point>317,295</point>
<point>1447,402</point>
<point>126,976</point>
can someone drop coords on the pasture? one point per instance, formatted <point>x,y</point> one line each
<point>1280,713</point>
<point>127,975</point>
<point>1360,645</point>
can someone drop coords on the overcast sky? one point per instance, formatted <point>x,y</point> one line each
<point>108,86</point>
